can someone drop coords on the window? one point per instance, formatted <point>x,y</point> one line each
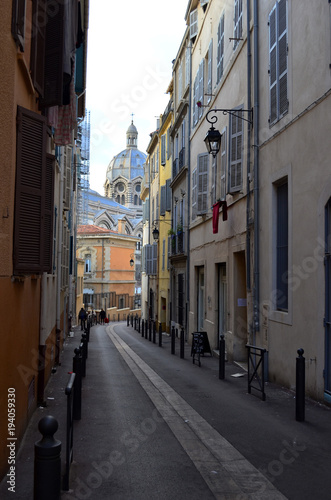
<point>163,200</point>
<point>282,247</point>
<point>187,66</point>
<point>88,267</point>
<point>235,153</point>
<point>201,88</point>
<point>278,61</point>
<point>238,22</point>
<point>202,184</point>
<point>18,22</point>
<point>150,258</point>
<point>34,196</point>
<point>220,49</point>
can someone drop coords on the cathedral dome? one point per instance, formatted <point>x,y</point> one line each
<point>125,172</point>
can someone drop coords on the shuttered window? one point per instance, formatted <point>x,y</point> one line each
<point>220,49</point>
<point>282,247</point>
<point>278,61</point>
<point>193,23</point>
<point>235,153</point>
<point>52,94</point>
<point>18,22</point>
<point>202,184</point>
<point>168,195</point>
<point>201,89</point>
<point>34,196</point>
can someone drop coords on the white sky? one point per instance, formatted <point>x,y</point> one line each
<point>131,46</point>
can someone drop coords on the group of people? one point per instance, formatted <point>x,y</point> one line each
<point>82,317</point>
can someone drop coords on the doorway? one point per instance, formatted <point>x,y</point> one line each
<point>327,262</point>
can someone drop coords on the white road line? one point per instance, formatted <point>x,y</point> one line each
<point>227,473</point>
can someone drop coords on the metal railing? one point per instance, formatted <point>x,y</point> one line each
<point>255,358</point>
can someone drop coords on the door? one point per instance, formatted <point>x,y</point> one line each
<point>327,260</point>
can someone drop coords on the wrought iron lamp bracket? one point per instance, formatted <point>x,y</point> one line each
<point>233,112</point>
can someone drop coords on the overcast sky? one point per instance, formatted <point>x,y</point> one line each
<point>131,46</point>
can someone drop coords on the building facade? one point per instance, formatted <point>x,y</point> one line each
<point>40,107</point>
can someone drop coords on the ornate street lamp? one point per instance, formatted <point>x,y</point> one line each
<point>156,233</point>
<point>213,138</point>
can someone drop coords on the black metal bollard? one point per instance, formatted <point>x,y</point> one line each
<point>300,387</point>
<point>82,355</point>
<point>77,369</point>
<point>47,461</point>
<point>154,332</point>
<point>160,334</point>
<point>132,320</point>
<point>182,343</point>
<point>84,340</point>
<point>127,320</point>
<point>139,319</point>
<point>173,340</point>
<point>142,327</point>
<point>150,330</point>
<point>221,370</point>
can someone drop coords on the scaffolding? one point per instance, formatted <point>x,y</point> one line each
<point>83,169</point>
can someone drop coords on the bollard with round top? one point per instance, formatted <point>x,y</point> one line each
<point>47,461</point>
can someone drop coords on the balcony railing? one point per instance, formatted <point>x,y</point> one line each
<point>181,158</point>
<point>174,168</point>
<point>177,246</point>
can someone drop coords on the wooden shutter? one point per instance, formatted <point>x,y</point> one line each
<point>168,195</point>
<point>282,57</point>
<point>193,23</point>
<point>236,142</point>
<point>163,200</point>
<point>18,22</point>
<point>163,149</point>
<point>209,82</point>
<point>201,87</point>
<point>54,43</point>
<point>194,193</point>
<point>273,66</point>
<point>238,23</point>
<point>202,183</point>
<point>220,48</point>
<point>30,194</point>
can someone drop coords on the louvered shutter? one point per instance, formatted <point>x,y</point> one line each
<point>193,23</point>
<point>154,259</point>
<point>200,91</point>
<point>194,193</point>
<point>53,79</point>
<point>202,182</point>
<point>168,195</point>
<point>282,57</point>
<point>236,142</point>
<point>163,149</point>
<point>220,48</point>
<point>209,83</point>
<point>30,192</point>
<point>163,200</point>
<point>273,65</point>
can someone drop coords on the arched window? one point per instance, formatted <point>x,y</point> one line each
<point>123,199</point>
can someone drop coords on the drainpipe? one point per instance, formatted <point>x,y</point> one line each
<point>256,177</point>
<point>249,104</point>
<point>188,199</point>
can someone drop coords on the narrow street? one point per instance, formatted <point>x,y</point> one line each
<point>159,427</point>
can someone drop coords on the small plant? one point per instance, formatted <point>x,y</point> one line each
<point>171,232</point>
<point>179,228</point>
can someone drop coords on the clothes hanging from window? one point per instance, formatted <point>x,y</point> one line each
<point>216,209</point>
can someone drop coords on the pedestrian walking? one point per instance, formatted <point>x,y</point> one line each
<point>102,316</point>
<point>82,317</point>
